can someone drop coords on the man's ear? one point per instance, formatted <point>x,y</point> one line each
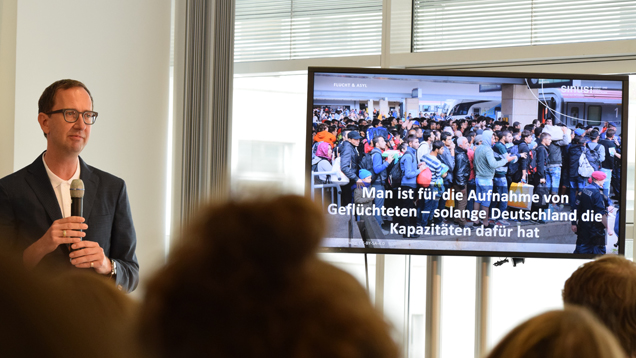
<point>43,119</point>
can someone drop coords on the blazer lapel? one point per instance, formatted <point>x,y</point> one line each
<point>40,183</point>
<point>91,183</point>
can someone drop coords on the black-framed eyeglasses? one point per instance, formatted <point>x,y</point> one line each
<point>72,115</point>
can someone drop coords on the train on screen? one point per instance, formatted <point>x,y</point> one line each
<point>567,104</point>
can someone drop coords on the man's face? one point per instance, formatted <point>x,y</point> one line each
<point>448,141</point>
<point>548,122</point>
<point>415,144</point>
<point>355,142</point>
<point>381,143</point>
<point>547,140</point>
<point>528,139</point>
<point>64,137</point>
<point>508,138</point>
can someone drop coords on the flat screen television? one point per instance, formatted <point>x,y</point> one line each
<point>475,193</point>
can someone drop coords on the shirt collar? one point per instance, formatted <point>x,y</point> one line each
<point>57,181</point>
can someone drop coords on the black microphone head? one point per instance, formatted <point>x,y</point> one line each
<point>77,188</point>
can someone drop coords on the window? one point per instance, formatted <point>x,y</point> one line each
<point>297,29</point>
<point>594,115</point>
<point>468,24</point>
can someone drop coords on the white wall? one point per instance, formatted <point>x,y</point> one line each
<point>120,49</point>
<point>8,24</point>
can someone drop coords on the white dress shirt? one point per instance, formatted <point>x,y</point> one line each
<point>62,188</point>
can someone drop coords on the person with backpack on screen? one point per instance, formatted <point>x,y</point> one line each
<point>597,150</point>
<point>591,233</point>
<point>611,151</point>
<point>521,175</point>
<point>447,156</point>
<point>575,151</point>
<point>349,164</point>
<point>553,168</point>
<point>322,162</point>
<point>500,183</point>
<point>374,163</point>
<point>540,181</point>
<point>473,141</point>
<point>460,176</point>
<point>485,164</point>
<point>410,169</point>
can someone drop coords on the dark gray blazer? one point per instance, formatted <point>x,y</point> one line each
<point>28,207</point>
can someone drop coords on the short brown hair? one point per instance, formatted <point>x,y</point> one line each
<point>47,99</point>
<point>246,282</point>
<point>572,332</point>
<point>607,287</point>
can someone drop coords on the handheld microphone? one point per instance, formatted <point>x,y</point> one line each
<point>77,200</point>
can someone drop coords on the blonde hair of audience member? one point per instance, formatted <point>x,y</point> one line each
<point>43,318</point>
<point>607,287</point>
<point>569,333</point>
<point>246,282</point>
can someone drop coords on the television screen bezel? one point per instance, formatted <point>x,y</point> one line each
<point>311,71</point>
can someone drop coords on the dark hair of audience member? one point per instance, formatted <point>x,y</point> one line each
<point>74,315</point>
<point>569,333</point>
<point>607,287</point>
<point>437,145</point>
<point>245,281</point>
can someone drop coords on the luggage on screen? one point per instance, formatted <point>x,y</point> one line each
<point>424,178</point>
<point>585,168</point>
<point>340,178</point>
<point>519,189</point>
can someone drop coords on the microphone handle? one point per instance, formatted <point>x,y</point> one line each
<point>77,209</point>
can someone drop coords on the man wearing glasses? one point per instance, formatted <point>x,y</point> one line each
<point>35,202</point>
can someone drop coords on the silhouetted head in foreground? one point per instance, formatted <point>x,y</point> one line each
<point>571,333</point>
<point>245,281</point>
<point>607,287</point>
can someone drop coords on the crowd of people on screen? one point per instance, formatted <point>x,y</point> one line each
<point>477,155</point>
